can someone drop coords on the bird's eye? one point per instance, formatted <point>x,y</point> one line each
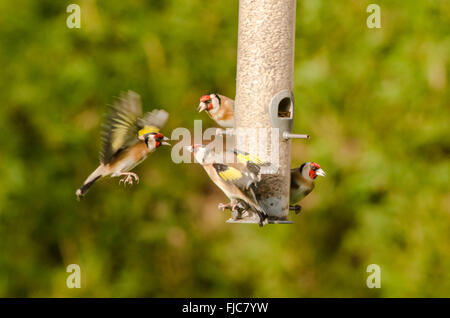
<point>314,168</point>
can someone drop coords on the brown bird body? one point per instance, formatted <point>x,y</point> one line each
<point>300,186</point>
<point>303,182</point>
<point>126,160</point>
<point>220,108</point>
<point>131,157</point>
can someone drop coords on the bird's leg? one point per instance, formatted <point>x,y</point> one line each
<point>295,208</point>
<point>242,207</point>
<point>238,205</point>
<point>128,179</point>
<point>238,209</point>
<point>232,205</point>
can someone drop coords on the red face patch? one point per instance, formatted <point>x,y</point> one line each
<point>205,98</point>
<point>158,137</point>
<point>312,171</point>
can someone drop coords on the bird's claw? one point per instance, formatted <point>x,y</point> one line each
<point>129,179</point>
<point>126,180</point>
<point>238,209</point>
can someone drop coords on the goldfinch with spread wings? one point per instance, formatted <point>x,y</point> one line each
<point>236,180</point>
<point>303,182</point>
<point>128,138</point>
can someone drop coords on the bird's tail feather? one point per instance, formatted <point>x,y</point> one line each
<point>262,215</point>
<point>256,207</point>
<point>94,176</point>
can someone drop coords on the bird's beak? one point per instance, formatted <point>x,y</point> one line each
<point>166,143</point>
<point>320,172</point>
<point>202,107</point>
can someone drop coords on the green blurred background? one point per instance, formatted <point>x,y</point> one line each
<point>376,102</point>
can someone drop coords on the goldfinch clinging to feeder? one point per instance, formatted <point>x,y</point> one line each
<point>302,182</point>
<point>128,138</point>
<point>220,108</point>
<point>234,179</point>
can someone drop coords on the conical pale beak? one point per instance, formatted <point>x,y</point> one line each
<point>165,143</point>
<point>202,107</point>
<point>321,173</point>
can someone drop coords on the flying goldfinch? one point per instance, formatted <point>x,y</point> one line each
<point>220,108</point>
<point>128,138</point>
<point>238,180</point>
<point>302,182</point>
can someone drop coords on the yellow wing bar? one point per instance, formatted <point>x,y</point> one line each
<point>249,158</point>
<point>230,174</point>
<point>147,130</point>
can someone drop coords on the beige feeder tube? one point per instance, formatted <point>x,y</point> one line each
<point>265,76</point>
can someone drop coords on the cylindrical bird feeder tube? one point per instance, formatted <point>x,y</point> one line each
<point>264,100</point>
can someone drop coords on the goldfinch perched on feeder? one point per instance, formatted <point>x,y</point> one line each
<point>236,180</point>
<point>302,182</point>
<point>128,138</point>
<point>220,108</point>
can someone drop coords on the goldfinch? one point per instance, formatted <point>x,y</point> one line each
<point>237,180</point>
<point>128,138</point>
<point>302,182</point>
<point>220,108</point>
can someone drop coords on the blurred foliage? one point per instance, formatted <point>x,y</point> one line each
<point>376,102</point>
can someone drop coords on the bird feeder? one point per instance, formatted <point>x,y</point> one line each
<point>264,97</point>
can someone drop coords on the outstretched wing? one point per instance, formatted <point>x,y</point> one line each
<point>152,121</point>
<point>120,129</point>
